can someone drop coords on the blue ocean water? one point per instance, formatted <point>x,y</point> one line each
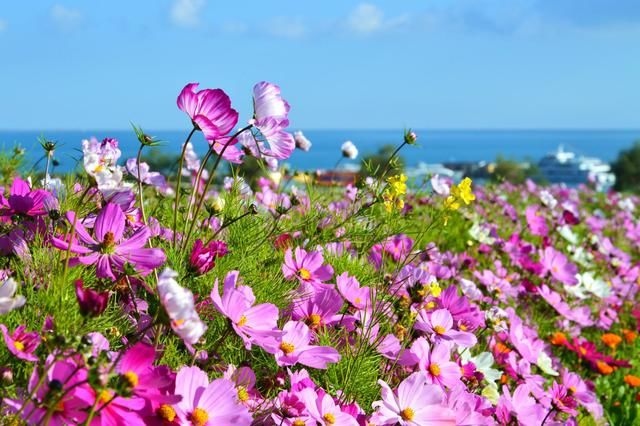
<point>434,146</point>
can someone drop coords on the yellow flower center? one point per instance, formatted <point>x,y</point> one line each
<point>434,369</point>
<point>430,305</point>
<point>329,418</point>
<point>199,417</point>
<point>19,346</point>
<point>357,300</point>
<point>572,389</point>
<point>462,327</point>
<point>315,320</point>
<point>243,394</point>
<point>439,329</point>
<point>166,412</point>
<point>287,348</point>
<point>59,406</point>
<point>108,243</point>
<point>407,414</point>
<point>299,422</point>
<point>131,378</point>
<point>242,321</point>
<point>105,396</point>
<point>304,273</point>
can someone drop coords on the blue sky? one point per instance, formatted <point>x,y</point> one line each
<point>99,64</point>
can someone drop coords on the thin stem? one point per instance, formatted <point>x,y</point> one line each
<point>181,162</point>
<point>547,416</point>
<point>226,225</point>
<point>46,169</point>
<point>144,216</point>
<point>386,166</point>
<point>209,181</point>
<point>196,186</point>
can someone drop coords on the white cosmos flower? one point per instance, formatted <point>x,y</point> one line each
<point>545,364</point>
<point>8,300</point>
<point>548,199</point>
<point>481,233</point>
<point>349,150</point>
<point>179,305</point>
<point>484,364</point>
<point>594,285</point>
<point>566,233</point>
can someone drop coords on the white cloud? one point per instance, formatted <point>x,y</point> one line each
<point>368,18</point>
<point>286,27</point>
<point>65,18</point>
<point>186,13</point>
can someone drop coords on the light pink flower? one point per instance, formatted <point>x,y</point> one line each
<point>294,347</point>
<point>439,325</point>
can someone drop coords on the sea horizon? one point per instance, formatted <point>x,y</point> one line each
<point>434,145</point>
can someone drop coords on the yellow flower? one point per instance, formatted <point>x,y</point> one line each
<point>392,195</point>
<point>398,184</point>
<point>463,191</point>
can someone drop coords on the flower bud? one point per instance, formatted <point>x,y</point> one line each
<point>92,303</point>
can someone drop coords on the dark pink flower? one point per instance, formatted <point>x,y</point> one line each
<point>24,201</point>
<point>210,110</point>
<point>203,257</point>
<point>91,302</point>
<point>110,251</point>
<point>21,344</point>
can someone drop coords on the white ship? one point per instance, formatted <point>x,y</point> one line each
<point>566,167</point>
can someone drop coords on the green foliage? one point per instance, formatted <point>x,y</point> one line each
<point>515,172</point>
<point>627,169</point>
<point>375,164</point>
<point>11,162</point>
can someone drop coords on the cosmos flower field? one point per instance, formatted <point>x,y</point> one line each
<point>131,297</point>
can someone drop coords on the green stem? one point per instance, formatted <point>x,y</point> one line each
<point>144,216</point>
<point>181,162</point>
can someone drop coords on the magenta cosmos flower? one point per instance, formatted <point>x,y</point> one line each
<point>203,258</point>
<point>208,404</point>
<point>72,408</point>
<point>559,266</point>
<point>439,325</point>
<point>417,403</point>
<point>294,347</point>
<point>307,267</point>
<point>110,251</point>
<point>254,324</point>
<point>210,110</point>
<point>21,344</point>
<point>318,308</point>
<point>144,379</point>
<point>23,201</point>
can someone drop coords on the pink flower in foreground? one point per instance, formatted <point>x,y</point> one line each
<point>210,110</point>
<point>145,380</point>
<point>91,302</point>
<point>21,344</point>
<point>110,251</point>
<point>323,409</point>
<point>307,267</point>
<point>210,404</point>
<point>254,324</point>
<point>294,347</point>
<point>24,201</point>
<point>559,266</point>
<point>318,308</point>
<point>436,362</point>
<point>439,324</point>
<point>73,405</point>
<point>416,403</point>
<point>536,221</point>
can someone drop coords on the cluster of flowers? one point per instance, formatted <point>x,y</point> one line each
<point>514,328</point>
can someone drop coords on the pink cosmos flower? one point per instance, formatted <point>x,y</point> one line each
<point>142,378</point>
<point>562,399</point>
<point>155,179</point>
<point>349,287</point>
<point>307,267</point>
<point>323,409</point>
<point>210,110</point>
<point>436,362</point>
<point>294,347</point>
<point>117,410</point>
<point>208,404</point>
<point>536,221</point>
<point>110,251</point>
<point>72,407</point>
<point>559,266</point>
<point>398,246</point>
<point>23,201</point>
<point>21,344</point>
<point>254,324</point>
<point>270,117</point>
<point>417,403</point>
<point>203,257</point>
<point>318,308</point>
<point>439,324</point>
